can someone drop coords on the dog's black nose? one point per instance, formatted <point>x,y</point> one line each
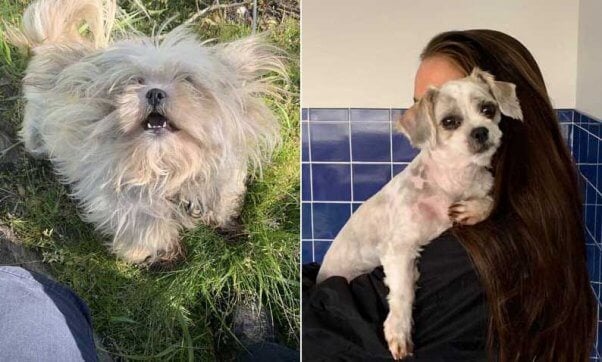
<point>480,134</point>
<point>155,96</point>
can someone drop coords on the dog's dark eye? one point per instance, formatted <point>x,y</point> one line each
<point>488,110</point>
<point>139,80</point>
<point>189,79</point>
<point>451,122</point>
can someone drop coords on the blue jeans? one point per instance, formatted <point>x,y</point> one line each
<point>41,320</point>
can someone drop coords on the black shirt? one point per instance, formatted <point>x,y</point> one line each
<point>344,321</point>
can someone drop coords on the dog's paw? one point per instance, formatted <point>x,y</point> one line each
<point>233,231</point>
<point>470,212</point>
<point>398,334</point>
<point>192,209</point>
<point>167,261</point>
<point>164,259</point>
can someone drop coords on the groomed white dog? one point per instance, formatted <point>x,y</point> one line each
<point>456,128</point>
<point>153,134</point>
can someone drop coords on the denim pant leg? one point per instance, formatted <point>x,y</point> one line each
<point>41,320</point>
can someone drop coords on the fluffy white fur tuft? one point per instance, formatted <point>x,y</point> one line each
<point>57,22</point>
<point>90,110</point>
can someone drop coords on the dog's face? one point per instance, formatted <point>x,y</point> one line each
<point>461,118</point>
<point>166,93</point>
<point>177,106</point>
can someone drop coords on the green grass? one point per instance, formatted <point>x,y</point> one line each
<point>185,313</point>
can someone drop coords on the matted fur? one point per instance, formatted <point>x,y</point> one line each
<point>86,105</point>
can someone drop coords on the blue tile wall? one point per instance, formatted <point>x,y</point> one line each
<point>349,154</point>
<point>584,134</point>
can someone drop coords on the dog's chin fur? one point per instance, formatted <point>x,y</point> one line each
<point>86,110</point>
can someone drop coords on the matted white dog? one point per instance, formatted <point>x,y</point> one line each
<point>153,134</point>
<point>456,128</point>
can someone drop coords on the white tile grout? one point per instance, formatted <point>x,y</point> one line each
<point>350,156</point>
<point>391,139</point>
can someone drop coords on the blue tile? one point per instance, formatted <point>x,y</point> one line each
<point>398,168</point>
<point>402,149</point>
<point>598,226</point>
<point>369,115</point>
<point>582,188</point>
<point>590,197</point>
<point>306,221</point>
<point>589,239</point>
<point>304,141</point>
<point>329,114</point>
<point>329,142</point>
<point>305,182</point>
<point>599,177</point>
<point>371,141</point>
<point>307,252</point>
<point>320,248</point>
<point>565,115</point>
<point>575,143</point>
<point>331,182</point>
<point>329,219</point>
<point>589,172</point>
<point>565,131</point>
<point>368,179</point>
<point>581,142</point>
<point>592,126</point>
<point>396,114</point>
<point>592,150</point>
<point>593,262</point>
<point>304,114</point>
<point>355,206</point>
<point>599,167</point>
<point>590,218</point>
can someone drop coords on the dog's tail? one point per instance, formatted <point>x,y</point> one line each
<point>64,21</point>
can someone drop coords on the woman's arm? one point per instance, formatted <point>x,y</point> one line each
<point>344,321</point>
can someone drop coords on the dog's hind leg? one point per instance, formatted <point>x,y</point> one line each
<point>29,133</point>
<point>400,276</point>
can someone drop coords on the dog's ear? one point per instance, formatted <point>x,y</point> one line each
<point>253,60</point>
<point>418,122</point>
<point>503,92</point>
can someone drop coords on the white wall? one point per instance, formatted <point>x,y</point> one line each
<point>365,53</point>
<point>589,64</point>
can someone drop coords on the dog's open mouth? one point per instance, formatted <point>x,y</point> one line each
<point>158,123</point>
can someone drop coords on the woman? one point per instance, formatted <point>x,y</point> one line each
<point>514,287</point>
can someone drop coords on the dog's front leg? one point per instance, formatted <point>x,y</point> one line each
<point>143,238</point>
<point>471,211</point>
<point>401,274</point>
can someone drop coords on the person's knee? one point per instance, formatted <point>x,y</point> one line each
<point>41,318</point>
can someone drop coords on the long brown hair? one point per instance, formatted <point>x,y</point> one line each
<point>530,253</point>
